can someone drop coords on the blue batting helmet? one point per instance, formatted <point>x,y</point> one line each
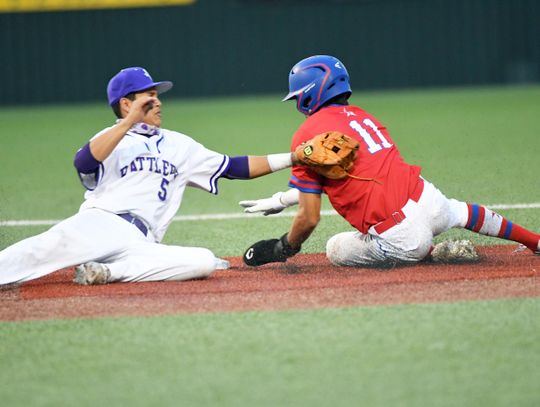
<point>315,80</point>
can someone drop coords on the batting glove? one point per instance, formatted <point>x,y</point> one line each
<point>272,205</point>
<point>269,251</point>
<point>268,206</point>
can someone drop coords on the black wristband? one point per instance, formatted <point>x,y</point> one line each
<point>284,249</point>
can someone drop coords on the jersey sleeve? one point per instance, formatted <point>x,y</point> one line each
<point>305,180</point>
<point>302,177</point>
<point>90,170</point>
<point>206,166</point>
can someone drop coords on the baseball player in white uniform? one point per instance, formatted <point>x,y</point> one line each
<point>135,174</point>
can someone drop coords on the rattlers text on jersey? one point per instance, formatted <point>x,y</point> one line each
<point>169,161</point>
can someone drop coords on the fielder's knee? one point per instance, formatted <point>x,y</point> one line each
<point>201,265</point>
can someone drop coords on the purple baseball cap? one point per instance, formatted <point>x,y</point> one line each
<point>130,80</point>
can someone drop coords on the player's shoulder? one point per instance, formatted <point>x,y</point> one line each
<point>344,112</point>
<point>183,142</point>
<point>331,118</point>
<point>177,137</point>
<point>173,134</point>
<point>334,116</point>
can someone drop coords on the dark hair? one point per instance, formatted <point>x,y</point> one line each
<point>341,99</point>
<point>116,106</point>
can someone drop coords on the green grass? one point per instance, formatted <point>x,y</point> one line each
<point>464,354</point>
<point>475,144</point>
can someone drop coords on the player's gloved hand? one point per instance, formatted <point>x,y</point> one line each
<point>268,206</point>
<point>269,251</point>
<point>275,204</point>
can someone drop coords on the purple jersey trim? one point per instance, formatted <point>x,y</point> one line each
<point>89,169</point>
<point>84,160</point>
<point>91,180</point>
<point>158,143</point>
<point>217,174</point>
<point>238,168</point>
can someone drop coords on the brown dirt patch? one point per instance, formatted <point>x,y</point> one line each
<point>307,281</point>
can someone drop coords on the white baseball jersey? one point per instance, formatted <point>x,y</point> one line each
<point>147,176</point>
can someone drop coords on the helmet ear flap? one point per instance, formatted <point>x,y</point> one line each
<point>315,80</point>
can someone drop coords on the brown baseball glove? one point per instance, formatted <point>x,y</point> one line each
<point>330,154</point>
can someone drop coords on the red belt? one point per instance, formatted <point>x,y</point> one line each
<point>397,217</point>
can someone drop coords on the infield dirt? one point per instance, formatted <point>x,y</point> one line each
<point>306,281</point>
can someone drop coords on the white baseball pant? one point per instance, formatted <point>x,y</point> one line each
<point>408,241</point>
<point>97,235</point>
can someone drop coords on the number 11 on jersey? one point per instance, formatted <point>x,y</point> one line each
<point>373,146</point>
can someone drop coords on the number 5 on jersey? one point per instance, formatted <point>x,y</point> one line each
<point>162,194</point>
<point>373,146</point>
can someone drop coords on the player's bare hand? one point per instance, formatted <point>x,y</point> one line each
<point>139,107</point>
<point>268,206</point>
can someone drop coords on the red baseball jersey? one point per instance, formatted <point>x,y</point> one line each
<point>361,203</point>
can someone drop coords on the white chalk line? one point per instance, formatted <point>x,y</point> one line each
<point>241,215</point>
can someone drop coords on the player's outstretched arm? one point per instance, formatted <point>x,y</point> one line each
<point>275,204</point>
<point>253,166</point>
<point>262,165</point>
<point>279,250</point>
<point>306,220</point>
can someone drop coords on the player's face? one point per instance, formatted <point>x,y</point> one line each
<point>153,116</point>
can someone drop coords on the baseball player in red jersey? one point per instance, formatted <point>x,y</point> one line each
<point>395,211</point>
